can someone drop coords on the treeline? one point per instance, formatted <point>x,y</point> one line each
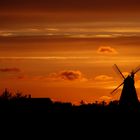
<point>20,103</point>
<point>7,95</point>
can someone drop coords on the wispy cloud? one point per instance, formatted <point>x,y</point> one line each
<point>105,98</point>
<point>105,36</point>
<point>9,70</point>
<point>35,30</point>
<point>52,29</point>
<point>32,78</point>
<point>43,58</point>
<point>106,50</point>
<point>103,78</point>
<point>6,34</point>
<point>72,31</point>
<point>61,76</point>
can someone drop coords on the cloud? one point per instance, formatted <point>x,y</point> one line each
<point>6,34</point>
<point>32,30</point>
<point>103,78</point>
<point>32,78</point>
<point>52,29</point>
<point>105,98</point>
<point>104,36</point>
<point>45,58</point>
<point>63,5</point>
<point>9,70</point>
<point>68,75</point>
<point>106,50</point>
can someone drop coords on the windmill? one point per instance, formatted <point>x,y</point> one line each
<point>128,96</point>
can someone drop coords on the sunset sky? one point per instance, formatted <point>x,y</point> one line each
<point>66,49</point>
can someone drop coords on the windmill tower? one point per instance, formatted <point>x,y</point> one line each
<point>128,96</point>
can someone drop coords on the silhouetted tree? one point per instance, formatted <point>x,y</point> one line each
<point>6,95</point>
<point>82,102</point>
<point>29,96</point>
<point>103,103</point>
<point>19,95</point>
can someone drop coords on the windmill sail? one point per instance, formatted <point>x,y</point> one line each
<point>117,88</point>
<point>136,70</point>
<point>119,71</point>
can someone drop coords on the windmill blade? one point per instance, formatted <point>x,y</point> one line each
<point>119,71</point>
<point>137,69</point>
<point>117,88</point>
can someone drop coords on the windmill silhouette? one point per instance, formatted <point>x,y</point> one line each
<point>128,96</point>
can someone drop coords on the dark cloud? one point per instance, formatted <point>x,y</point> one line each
<point>9,70</point>
<point>15,13</point>
<point>69,5</point>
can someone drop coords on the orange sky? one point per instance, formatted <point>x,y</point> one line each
<point>66,50</point>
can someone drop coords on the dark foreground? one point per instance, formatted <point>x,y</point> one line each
<point>24,104</point>
<point>25,110</point>
<point>43,117</point>
<point>47,106</point>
